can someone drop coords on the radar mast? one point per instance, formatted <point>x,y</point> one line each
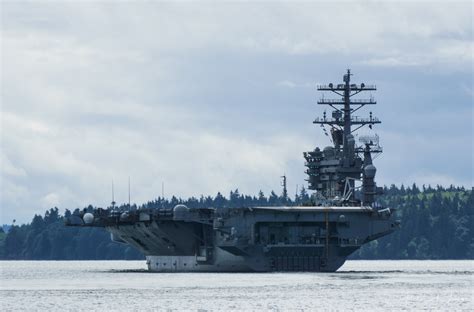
<point>333,171</point>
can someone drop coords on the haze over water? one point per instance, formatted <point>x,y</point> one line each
<point>126,285</point>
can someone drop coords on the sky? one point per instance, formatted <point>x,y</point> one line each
<point>208,97</point>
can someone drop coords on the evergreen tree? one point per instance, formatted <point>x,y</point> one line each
<point>262,200</point>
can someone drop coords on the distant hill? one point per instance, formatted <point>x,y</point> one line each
<point>437,223</point>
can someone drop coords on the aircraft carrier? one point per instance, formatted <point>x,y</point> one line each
<point>318,236</point>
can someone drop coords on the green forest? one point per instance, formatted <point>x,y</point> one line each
<point>436,223</point>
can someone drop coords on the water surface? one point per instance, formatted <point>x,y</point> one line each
<point>126,285</point>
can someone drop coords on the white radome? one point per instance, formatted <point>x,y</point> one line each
<point>88,218</point>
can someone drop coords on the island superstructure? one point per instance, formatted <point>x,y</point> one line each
<point>317,236</point>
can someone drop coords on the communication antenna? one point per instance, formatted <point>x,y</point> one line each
<point>113,200</point>
<point>283,183</point>
<point>162,194</point>
<point>129,192</point>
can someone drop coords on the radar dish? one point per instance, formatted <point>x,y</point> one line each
<point>369,139</point>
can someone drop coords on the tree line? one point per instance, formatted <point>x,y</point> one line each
<point>436,223</point>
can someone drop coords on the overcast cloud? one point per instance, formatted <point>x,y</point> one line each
<point>210,98</point>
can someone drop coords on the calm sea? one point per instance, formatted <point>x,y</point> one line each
<point>126,285</point>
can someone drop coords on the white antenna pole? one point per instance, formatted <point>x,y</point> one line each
<point>128,191</point>
<point>163,190</point>
<point>113,199</point>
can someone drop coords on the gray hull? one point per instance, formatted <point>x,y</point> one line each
<point>226,262</point>
<point>260,239</point>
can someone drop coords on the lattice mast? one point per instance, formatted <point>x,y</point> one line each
<point>333,171</point>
